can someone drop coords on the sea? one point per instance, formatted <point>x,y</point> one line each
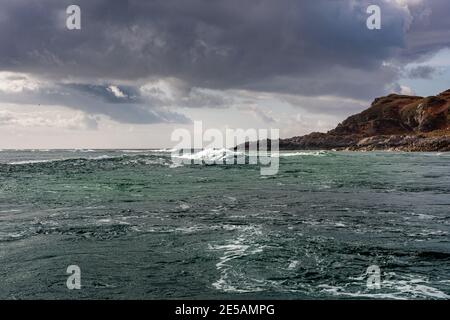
<point>139,225</point>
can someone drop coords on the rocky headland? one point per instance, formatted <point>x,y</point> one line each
<point>394,122</point>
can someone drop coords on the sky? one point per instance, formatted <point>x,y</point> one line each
<point>139,69</point>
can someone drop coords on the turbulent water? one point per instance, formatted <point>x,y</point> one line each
<point>141,227</point>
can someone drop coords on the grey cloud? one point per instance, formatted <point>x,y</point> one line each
<point>96,100</point>
<point>209,44</point>
<point>326,106</point>
<point>42,119</point>
<point>421,72</point>
<point>151,103</point>
<point>104,92</point>
<point>201,98</point>
<point>259,113</point>
<point>429,30</point>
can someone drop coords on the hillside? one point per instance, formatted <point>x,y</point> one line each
<point>394,122</point>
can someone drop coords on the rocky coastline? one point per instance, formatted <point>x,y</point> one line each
<point>394,122</point>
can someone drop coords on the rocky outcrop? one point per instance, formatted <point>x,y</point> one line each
<point>403,143</point>
<point>395,122</point>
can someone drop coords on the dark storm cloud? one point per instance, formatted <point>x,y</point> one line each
<point>309,48</point>
<point>219,44</point>
<point>429,30</point>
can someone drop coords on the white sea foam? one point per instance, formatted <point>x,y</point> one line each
<point>210,155</point>
<point>163,150</point>
<point>423,215</point>
<point>35,161</point>
<point>23,162</point>
<point>184,206</point>
<point>9,211</point>
<point>132,151</point>
<point>303,153</point>
<point>231,280</point>
<point>82,150</point>
<point>102,157</point>
<point>293,264</point>
<point>339,225</point>
<point>191,229</point>
<point>137,150</point>
<point>394,287</point>
<point>12,235</point>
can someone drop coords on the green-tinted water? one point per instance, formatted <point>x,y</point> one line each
<point>140,227</point>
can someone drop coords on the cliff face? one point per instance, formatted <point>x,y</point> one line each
<point>395,122</point>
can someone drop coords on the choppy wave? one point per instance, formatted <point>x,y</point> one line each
<point>210,155</point>
<point>232,279</point>
<point>145,156</point>
<point>26,162</point>
<point>223,154</point>
<point>160,156</point>
<point>304,153</point>
<point>168,150</point>
<point>396,286</point>
<point>34,161</point>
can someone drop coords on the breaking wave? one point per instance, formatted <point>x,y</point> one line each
<point>210,155</point>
